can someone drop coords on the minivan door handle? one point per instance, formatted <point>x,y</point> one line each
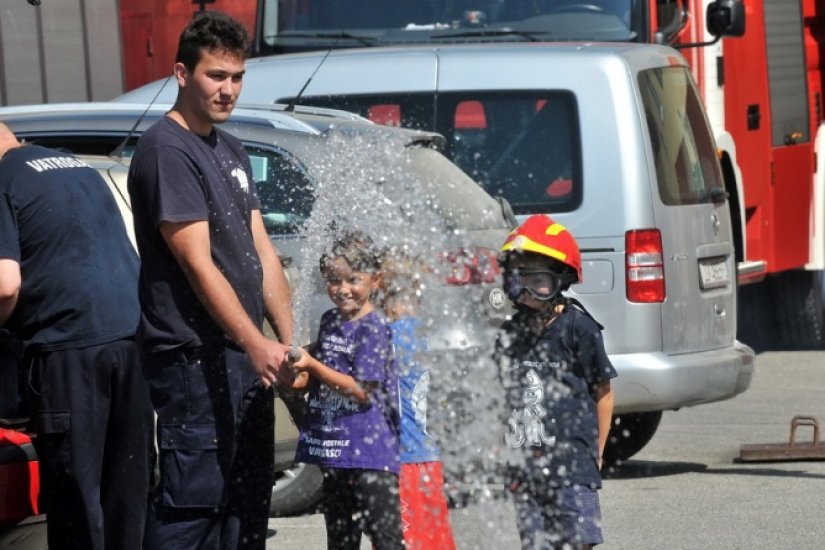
<point>713,250</point>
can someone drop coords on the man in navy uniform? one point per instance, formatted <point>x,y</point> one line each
<point>68,290</point>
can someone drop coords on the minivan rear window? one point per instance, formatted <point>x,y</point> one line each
<point>521,145</point>
<point>683,149</point>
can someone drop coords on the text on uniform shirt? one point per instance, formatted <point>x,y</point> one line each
<point>56,163</point>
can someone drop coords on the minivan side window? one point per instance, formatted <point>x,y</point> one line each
<point>285,192</point>
<point>687,168</point>
<point>522,145</point>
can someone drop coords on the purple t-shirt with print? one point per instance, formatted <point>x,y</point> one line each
<point>338,432</point>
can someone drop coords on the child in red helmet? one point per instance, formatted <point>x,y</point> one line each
<point>556,376</point>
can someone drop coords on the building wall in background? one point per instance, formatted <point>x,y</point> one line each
<point>64,50</point>
<point>151,29</point>
<point>93,50</point>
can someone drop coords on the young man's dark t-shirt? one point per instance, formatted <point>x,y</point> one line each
<point>59,220</point>
<point>178,176</point>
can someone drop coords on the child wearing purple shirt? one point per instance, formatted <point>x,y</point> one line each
<point>350,428</point>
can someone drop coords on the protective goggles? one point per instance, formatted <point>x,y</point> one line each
<point>541,284</point>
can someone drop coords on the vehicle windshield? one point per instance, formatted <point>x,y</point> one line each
<point>389,21</point>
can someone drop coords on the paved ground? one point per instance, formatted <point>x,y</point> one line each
<point>686,490</point>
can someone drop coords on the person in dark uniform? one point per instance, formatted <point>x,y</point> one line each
<point>68,290</point>
<point>11,359</point>
<point>209,274</point>
<point>556,377</point>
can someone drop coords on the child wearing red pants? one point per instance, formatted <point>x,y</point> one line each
<point>424,514</point>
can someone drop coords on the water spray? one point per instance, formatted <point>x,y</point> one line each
<point>364,182</point>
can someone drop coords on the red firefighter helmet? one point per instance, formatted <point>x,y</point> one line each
<point>539,234</point>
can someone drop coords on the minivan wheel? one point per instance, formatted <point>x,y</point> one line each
<point>629,433</point>
<point>296,490</point>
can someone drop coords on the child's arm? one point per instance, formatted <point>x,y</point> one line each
<point>301,381</point>
<point>603,394</point>
<point>342,383</point>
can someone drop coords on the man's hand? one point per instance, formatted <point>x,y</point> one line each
<point>269,359</point>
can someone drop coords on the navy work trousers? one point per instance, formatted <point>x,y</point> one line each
<point>93,420</point>
<point>216,439</point>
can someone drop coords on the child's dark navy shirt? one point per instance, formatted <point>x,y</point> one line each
<point>548,378</point>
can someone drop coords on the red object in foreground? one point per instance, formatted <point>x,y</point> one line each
<point>19,477</point>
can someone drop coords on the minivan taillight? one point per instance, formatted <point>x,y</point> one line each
<point>468,266</point>
<point>644,266</point>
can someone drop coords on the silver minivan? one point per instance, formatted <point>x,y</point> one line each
<point>613,142</point>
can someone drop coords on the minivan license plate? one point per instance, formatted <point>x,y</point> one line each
<point>714,274</point>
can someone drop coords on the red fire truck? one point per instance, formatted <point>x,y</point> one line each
<point>762,86</point>
<point>763,94</point>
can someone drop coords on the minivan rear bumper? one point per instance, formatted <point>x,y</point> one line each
<point>657,381</point>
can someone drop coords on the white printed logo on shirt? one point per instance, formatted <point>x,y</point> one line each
<point>419,400</point>
<point>527,424</point>
<point>240,175</point>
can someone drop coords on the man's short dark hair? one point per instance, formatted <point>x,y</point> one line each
<point>211,31</point>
